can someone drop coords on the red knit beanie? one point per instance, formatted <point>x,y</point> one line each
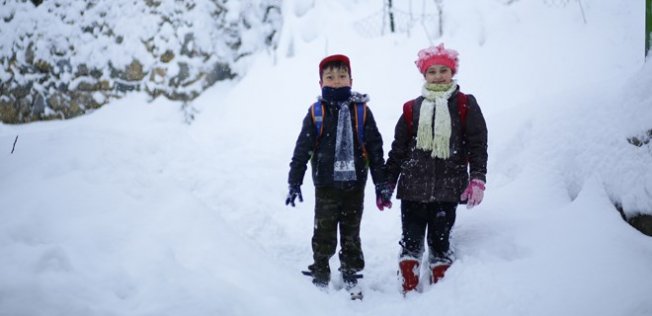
<point>335,58</point>
<point>437,55</point>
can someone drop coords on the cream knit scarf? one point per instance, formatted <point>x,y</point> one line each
<point>435,103</point>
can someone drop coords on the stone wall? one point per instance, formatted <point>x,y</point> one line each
<point>62,58</point>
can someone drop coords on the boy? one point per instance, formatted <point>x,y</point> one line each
<point>340,151</point>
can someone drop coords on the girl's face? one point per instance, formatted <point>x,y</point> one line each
<point>439,74</point>
<point>335,78</point>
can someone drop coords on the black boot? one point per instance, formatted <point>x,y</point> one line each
<point>351,284</point>
<point>321,274</point>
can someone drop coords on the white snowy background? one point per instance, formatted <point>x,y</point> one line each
<point>132,211</point>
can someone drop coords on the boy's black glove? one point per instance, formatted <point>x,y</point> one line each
<point>295,191</point>
<point>384,195</point>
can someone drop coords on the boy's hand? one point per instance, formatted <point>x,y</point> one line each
<point>473,193</point>
<point>384,196</point>
<point>295,191</point>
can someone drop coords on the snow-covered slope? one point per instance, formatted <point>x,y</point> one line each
<point>131,211</point>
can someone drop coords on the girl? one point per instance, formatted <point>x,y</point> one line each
<point>439,157</point>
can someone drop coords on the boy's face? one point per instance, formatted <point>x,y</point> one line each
<point>439,74</point>
<point>335,77</point>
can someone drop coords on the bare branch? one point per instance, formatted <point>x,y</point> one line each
<point>14,147</point>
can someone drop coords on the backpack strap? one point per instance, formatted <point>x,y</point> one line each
<point>317,113</point>
<point>462,108</point>
<point>407,115</point>
<point>360,119</point>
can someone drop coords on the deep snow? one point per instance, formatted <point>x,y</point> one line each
<point>131,211</point>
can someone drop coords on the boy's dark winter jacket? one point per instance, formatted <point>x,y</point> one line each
<point>427,179</point>
<point>323,159</point>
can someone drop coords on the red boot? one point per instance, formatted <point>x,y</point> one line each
<point>438,271</point>
<point>409,269</point>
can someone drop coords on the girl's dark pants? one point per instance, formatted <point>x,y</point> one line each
<point>337,207</point>
<point>436,219</point>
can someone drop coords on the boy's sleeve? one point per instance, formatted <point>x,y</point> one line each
<point>302,151</point>
<point>374,146</point>
<point>399,151</point>
<point>476,138</point>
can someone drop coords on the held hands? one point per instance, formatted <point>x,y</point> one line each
<point>295,191</point>
<point>384,195</point>
<point>473,193</point>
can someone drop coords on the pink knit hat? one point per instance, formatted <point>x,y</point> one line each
<point>437,55</point>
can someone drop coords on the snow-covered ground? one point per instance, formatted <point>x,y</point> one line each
<point>131,211</point>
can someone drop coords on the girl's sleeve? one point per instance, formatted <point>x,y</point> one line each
<point>374,146</point>
<point>476,138</point>
<point>398,152</point>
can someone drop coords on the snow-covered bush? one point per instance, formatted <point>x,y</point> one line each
<point>64,57</point>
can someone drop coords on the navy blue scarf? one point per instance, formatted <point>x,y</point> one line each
<point>333,95</point>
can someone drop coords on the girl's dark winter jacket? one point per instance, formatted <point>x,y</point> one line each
<point>323,159</point>
<point>427,179</point>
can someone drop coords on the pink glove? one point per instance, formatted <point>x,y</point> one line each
<point>473,193</point>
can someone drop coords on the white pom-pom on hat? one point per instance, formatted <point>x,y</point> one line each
<point>437,55</point>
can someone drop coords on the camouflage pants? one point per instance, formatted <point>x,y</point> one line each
<point>337,207</point>
<point>436,219</point>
